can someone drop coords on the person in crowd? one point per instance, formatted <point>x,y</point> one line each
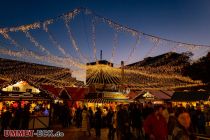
<point>98,122</point>
<point>73,114</point>
<point>26,117</point>
<point>148,109</point>
<point>165,112</point>
<point>110,116</point>
<point>155,125</point>
<point>119,122</point>
<point>55,112</point>
<point>85,121</point>
<point>132,116</point>
<point>91,117</point>
<point>182,130</point>
<point>201,122</point>
<point>193,116</point>
<point>172,121</point>
<point>5,122</point>
<point>79,117</point>
<point>136,120</point>
<point>16,123</point>
<point>114,126</point>
<point>104,119</point>
<point>65,115</point>
<point>70,116</point>
<point>123,126</point>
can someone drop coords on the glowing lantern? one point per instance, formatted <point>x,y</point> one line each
<point>46,112</point>
<point>33,105</point>
<point>48,106</point>
<point>22,103</point>
<point>40,102</point>
<point>37,107</point>
<point>9,102</point>
<point>1,106</point>
<point>15,105</point>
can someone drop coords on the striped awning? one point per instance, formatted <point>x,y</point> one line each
<point>102,100</point>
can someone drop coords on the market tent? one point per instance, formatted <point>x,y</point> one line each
<point>21,86</point>
<point>22,93</point>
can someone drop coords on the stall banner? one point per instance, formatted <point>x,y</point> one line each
<point>114,95</point>
<point>148,95</point>
<point>20,95</point>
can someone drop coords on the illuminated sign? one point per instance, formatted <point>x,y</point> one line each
<point>148,95</point>
<point>20,95</point>
<point>114,95</point>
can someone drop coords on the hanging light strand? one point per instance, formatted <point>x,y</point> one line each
<point>115,46</point>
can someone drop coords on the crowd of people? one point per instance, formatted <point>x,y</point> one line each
<point>148,121</point>
<point>15,118</point>
<point>140,121</point>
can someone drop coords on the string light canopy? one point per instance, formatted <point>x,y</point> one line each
<point>161,76</point>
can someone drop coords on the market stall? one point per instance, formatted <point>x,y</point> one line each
<point>105,99</point>
<point>191,98</point>
<point>19,96</point>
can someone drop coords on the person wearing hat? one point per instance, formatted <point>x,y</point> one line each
<point>182,130</point>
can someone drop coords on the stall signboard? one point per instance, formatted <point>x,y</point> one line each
<point>20,95</point>
<point>114,95</point>
<point>148,95</point>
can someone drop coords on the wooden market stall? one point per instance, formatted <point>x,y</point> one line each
<point>192,98</point>
<point>20,95</point>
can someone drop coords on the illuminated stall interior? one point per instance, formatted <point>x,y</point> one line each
<point>191,98</point>
<point>105,99</point>
<point>22,94</point>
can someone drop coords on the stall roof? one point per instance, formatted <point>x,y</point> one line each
<point>158,94</point>
<point>133,94</point>
<point>52,89</point>
<point>57,92</point>
<point>190,96</point>
<point>2,82</point>
<point>102,100</point>
<point>77,93</point>
<point>107,97</point>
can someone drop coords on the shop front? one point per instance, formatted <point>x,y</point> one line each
<point>22,98</point>
<point>105,99</point>
<point>191,98</point>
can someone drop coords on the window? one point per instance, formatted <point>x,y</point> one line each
<point>29,90</point>
<point>15,89</point>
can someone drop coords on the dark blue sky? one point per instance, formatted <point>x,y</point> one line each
<point>179,20</point>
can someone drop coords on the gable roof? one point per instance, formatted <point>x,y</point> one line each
<point>158,94</point>
<point>77,93</point>
<point>23,87</point>
<point>133,94</point>
<point>52,89</point>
